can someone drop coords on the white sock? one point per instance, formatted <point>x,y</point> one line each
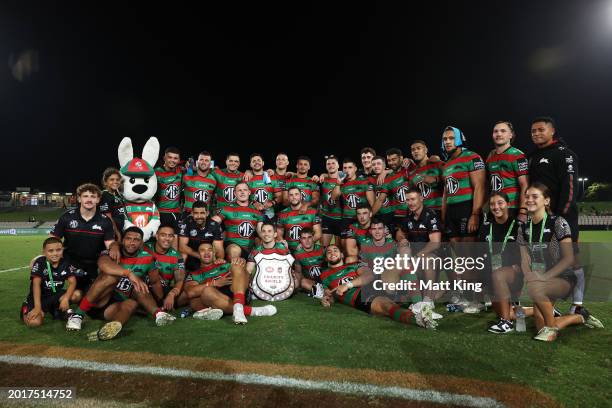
<point>578,294</point>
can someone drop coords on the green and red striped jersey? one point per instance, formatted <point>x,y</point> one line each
<point>504,172</point>
<point>240,224</point>
<point>140,214</point>
<point>166,263</point>
<point>293,222</point>
<point>353,193</point>
<point>368,250</point>
<point>312,262</point>
<point>431,192</point>
<point>456,174</point>
<point>226,182</point>
<point>378,189</point>
<point>262,192</point>
<point>306,185</point>
<point>169,188</point>
<point>329,207</point>
<point>333,277</point>
<point>198,188</point>
<point>396,186</point>
<point>357,232</point>
<point>140,264</point>
<point>207,274</point>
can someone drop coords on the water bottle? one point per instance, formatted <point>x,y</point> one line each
<point>520,319</point>
<point>266,178</point>
<point>454,308</point>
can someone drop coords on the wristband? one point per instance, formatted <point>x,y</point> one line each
<point>350,284</point>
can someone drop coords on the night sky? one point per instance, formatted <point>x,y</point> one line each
<point>305,79</point>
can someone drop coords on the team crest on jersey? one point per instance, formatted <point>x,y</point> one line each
<point>401,194</point>
<point>201,195</point>
<point>452,185</point>
<point>294,232</point>
<point>425,189</point>
<point>496,183</point>
<point>74,224</point>
<point>245,229</point>
<point>229,194</point>
<point>261,195</point>
<point>172,192</point>
<point>352,200</point>
<point>544,160</point>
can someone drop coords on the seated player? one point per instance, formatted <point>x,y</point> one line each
<point>357,232</point>
<point>293,219</point>
<point>119,288</point>
<point>421,228</point>
<point>241,223</point>
<point>309,262</point>
<point>169,268</point>
<point>222,286</point>
<point>345,283</point>
<point>195,229</point>
<point>47,295</point>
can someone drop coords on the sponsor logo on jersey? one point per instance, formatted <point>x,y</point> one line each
<point>452,185</point>
<point>330,200</point>
<point>314,271</point>
<point>401,194</point>
<point>245,229</point>
<point>294,232</point>
<point>478,164</point>
<point>352,200</point>
<point>523,165</point>
<point>172,192</point>
<point>261,195</point>
<point>193,233</point>
<point>201,195</point>
<point>496,183</point>
<point>569,160</point>
<point>425,189</point>
<point>229,194</point>
<point>74,224</point>
<point>570,168</point>
<point>544,160</point>
<point>304,195</point>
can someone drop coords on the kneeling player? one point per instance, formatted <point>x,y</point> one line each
<point>119,288</point>
<point>345,282</point>
<point>47,294</point>
<point>222,286</point>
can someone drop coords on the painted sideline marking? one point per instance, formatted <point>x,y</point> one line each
<point>14,269</point>
<point>258,379</point>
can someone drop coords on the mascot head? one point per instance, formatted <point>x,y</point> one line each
<point>139,181</point>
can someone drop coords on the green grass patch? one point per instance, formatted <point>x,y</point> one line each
<point>24,214</point>
<point>573,369</point>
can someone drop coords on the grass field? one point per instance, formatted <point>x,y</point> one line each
<point>575,370</point>
<point>23,214</point>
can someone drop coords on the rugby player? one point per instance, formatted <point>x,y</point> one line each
<point>357,232</point>
<point>200,186</point>
<point>309,262</point>
<point>427,175</point>
<point>308,187</point>
<point>266,190</point>
<point>331,212</point>
<point>198,228</point>
<point>291,221</point>
<point>227,179</point>
<point>345,283</point>
<point>169,189</point>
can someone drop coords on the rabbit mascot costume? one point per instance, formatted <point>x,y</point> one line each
<point>140,186</point>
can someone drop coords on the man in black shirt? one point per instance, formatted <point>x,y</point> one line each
<point>86,233</point>
<point>556,166</point>
<point>196,229</point>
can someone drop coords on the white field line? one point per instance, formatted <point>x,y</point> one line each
<point>14,269</point>
<point>259,379</point>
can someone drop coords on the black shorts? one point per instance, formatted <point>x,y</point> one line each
<point>364,302</point>
<point>97,313</point>
<point>87,274</point>
<point>331,226</point>
<point>346,226</point>
<point>49,304</point>
<point>457,217</point>
<point>227,291</point>
<point>168,219</point>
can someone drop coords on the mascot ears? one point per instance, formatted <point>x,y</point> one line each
<point>150,152</point>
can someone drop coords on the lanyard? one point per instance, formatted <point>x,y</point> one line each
<point>50,276</point>
<point>541,232</point>
<point>505,238</point>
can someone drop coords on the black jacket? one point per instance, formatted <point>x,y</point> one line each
<point>556,166</point>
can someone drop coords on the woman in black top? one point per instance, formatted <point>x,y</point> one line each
<point>546,260</point>
<point>499,234</point>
